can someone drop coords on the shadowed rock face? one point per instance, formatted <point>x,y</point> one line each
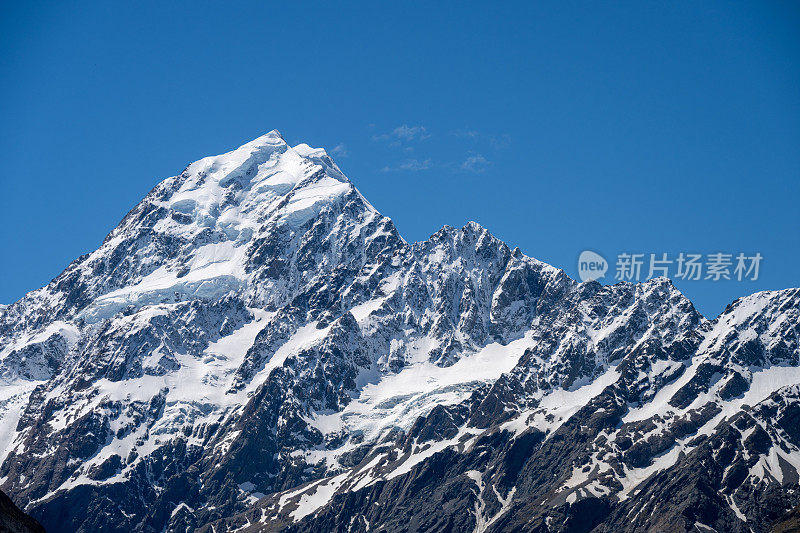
<point>788,523</point>
<point>12,520</point>
<point>256,347</point>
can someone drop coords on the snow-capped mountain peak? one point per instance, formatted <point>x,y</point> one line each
<point>201,233</point>
<point>255,342</point>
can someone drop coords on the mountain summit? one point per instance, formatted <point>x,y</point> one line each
<point>255,347</point>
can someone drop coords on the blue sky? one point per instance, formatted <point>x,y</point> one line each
<point>634,127</point>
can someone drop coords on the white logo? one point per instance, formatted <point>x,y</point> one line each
<point>591,266</point>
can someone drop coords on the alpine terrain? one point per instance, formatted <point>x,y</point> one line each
<point>256,348</point>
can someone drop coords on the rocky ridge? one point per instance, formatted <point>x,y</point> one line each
<point>256,347</point>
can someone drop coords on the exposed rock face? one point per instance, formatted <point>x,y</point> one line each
<point>256,347</point>
<point>12,520</point>
<point>788,523</point>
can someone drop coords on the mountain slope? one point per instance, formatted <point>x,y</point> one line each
<point>256,346</point>
<point>12,520</point>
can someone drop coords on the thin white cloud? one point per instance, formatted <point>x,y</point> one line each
<point>410,165</point>
<point>470,134</point>
<point>494,141</point>
<point>416,164</point>
<point>340,150</point>
<point>500,141</point>
<point>475,163</point>
<point>404,133</point>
